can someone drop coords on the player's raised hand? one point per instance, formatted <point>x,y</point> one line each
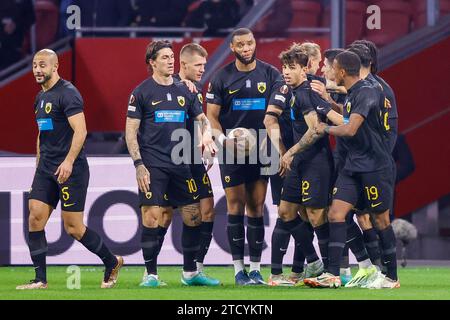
<point>209,143</point>
<point>320,88</point>
<point>64,171</point>
<point>143,178</point>
<point>191,86</point>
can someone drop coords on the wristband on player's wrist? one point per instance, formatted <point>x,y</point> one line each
<point>138,162</point>
<point>327,129</point>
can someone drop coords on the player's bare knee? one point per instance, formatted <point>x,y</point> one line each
<point>285,214</point>
<point>364,221</point>
<point>166,218</point>
<point>316,216</point>
<point>335,215</point>
<point>150,216</point>
<point>381,220</point>
<point>36,221</point>
<point>236,207</point>
<point>208,214</point>
<point>74,230</point>
<point>191,215</point>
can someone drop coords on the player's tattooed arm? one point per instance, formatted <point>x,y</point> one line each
<point>131,131</point>
<point>307,140</point>
<point>78,124</point>
<point>142,174</point>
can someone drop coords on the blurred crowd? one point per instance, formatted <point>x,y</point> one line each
<point>50,16</point>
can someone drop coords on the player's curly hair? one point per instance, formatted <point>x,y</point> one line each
<point>292,56</point>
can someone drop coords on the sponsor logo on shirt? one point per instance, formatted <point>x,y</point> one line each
<point>169,116</point>
<point>249,104</point>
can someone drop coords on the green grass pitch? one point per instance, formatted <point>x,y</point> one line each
<point>428,283</point>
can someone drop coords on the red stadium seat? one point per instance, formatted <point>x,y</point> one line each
<point>420,12</point>
<point>395,22</point>
<point>306,14</point>
<point>354,19</point>
<point>47,15</point>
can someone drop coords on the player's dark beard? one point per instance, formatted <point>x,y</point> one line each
<point>243,60</point>
<point>46,78</point>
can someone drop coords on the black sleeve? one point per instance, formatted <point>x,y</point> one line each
<point>135,105</point>
<point>368,98</point>
<point>306,104</point>
<point>36,101</point>
<point>281,95</point>
<point>320,105</point>
<point>195,106</point>
<point>215,91</point>
<point>72,102</point>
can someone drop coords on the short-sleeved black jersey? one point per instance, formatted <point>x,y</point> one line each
<point>390,115</point>
<point>243,96</point>
<point>367,149</point>
<point>190,121</point>
<point>390,125</point>
<point>53,108</point>
<point>305,100</point>
<point>282,98</point>
<point>162,109</point>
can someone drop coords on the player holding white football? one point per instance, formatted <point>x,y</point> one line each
<point>237,97</point>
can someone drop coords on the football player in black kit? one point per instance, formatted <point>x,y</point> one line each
<point>62,171</point>
<point>355,239</point>
<point>307,185</point>
<point>192,66</point>
<point>158,109</point>
<point>366,175</point>
<point>238,96</point>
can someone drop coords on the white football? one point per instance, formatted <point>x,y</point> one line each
<point>250,138</point>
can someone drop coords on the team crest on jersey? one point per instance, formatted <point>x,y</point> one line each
<point>387,103</point>
<point>48,107</point>
<point>200,97</point>
<point>181,100</point>
<point>261,87</point>
<point>209,87</point>
<point>349,107</point>
<point>227,179</point>
<point>334,190</point>
<point>148,195</point>
<point>132,99</point>
<point>166,197</point>
<point>284,89</point>
<point>292,101</point>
